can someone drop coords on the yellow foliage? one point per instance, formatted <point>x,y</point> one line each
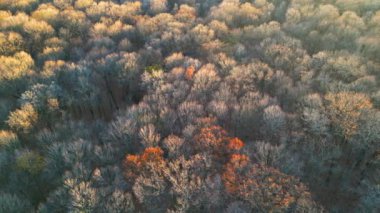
<point>4,14</point>
<point>35,27</point>
<point>17,66</point>
<point>23,119</point>
<point>7,138</point>
<point>81,4</point>
<point>53,103</point>
<point>50,67</point>
<point>20,4</point>
<point>345,108</point>
<point>46,12</point>
<point>10,43</point>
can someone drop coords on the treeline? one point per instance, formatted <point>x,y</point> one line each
<point>189,106</point>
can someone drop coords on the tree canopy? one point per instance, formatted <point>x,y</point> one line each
<point>189,106</point>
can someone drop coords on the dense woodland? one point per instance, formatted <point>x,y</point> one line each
<point>189,106</point>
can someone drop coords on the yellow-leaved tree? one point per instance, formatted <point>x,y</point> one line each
<point>344,110</point>
<point>23,119</point>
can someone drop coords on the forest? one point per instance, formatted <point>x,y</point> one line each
<point>171,106</point>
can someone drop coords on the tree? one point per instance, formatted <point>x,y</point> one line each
<point>13,71</point>
<point>83,196</point>
<point>186,13</point>
<point>143,105</point>
<point>314,117</point>
<point>58,200</point>
<point>236,14</point>
<point>30,161</point>
<point>54,50</point>
<point>336,71</point>
<point>47,13</point>
<point>326,29</point>
<point>264,188</point>
<point>344,110</point>
<point>62,4</point>
<point>75,24</point>
<point>205,81</point>
<point>11,43</point>
<point>369,200</point>
<point>139,164</point>
<point>13,204</point>
<point>265,30</point>
<point>15,67</point>
<point>267,154</point>
<point>149,137</point>
<point>192,190</point>
<point>22,5</point>
<point>37,31</point>
<point>83,4</point>
<point>188,112</point>
<point>46,101</point>
<point>144,172</point>
<point>8,140</point>
<point>23,119</point>
<point>367,42</point>
<point>174,146</point>
<point>274,120</point>
<point>155,7</point>
<point>119,202</point>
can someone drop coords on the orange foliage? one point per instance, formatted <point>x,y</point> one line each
<point>238,161</point>
<point>152,154</point>
<point>211,136</point>
<point>267,187</point>
<point>134,164</point>
<point>132,159</point>
<point>189,72</point>
<point>235,144</point>
<point>230,176</point>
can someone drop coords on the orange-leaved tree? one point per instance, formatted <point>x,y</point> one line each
<point>264,188</point>
<point>134,165</point>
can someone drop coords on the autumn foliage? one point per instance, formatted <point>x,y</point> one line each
<point>136,164</point>
<point>189,73</point>
<point>266,188</point>
<point>345,109</point>
<point>235,144</point>
<point>189,106</point>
